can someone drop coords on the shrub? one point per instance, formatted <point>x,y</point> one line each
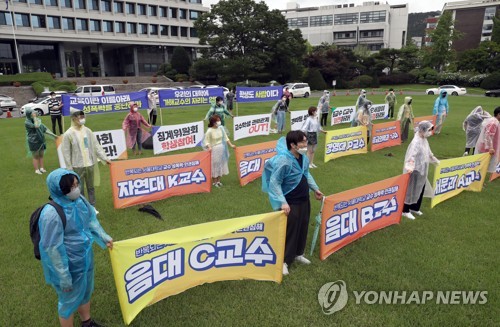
<point>125,81</point>
<point>399,78</point>
<point>315,79</point>
<point>362,81</point>
<point>26,79</point>
<point>426,75</point>
<point>475,81</point>
<point>181,77</point>
<point>93,82</point>
<point>39,87</point>
<point>17,84</point>
<point>154,80</point>
<point>491,82</point>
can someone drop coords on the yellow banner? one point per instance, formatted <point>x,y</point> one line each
<point>345,142</point>
<point>150,268</point>
<point>453,176</point>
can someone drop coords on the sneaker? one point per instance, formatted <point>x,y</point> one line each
<point>465,154</point>
<point>220,184</point>
<point>314,166</point>
<point>285,269</point>
<point>301,259</point>
<point>91,323</point>
<point>418,213</point>
<point>38,172</point>
<point>408,215</point>
<point>43,170</point>
<point>311,166</point>
<point>216,185</point>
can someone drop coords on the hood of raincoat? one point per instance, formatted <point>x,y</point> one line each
<point>407,100</point>
<point>441,93</point>
<point>132,107</point>
<point>53,180</point>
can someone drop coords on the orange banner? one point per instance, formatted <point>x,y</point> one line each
<point>385,135</point>
<point>496,174</point>
<point>250,160</point>
<point>152,179</point>
<point>352,214</point>
<point>417,120</point>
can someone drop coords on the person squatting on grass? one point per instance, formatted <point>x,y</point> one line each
<point>440,110</point>
<point>472,128</point>
<point>406,117</point>
<point>311,128</point>
<point>287,181</point>
<point>489,139</point>
<point>132,127</point>
<point>364,118</point>
<point>35,139</point>
<point>417,159</point>
<point>216,141</point>
<point>81,150</point>
<point>66,253</point>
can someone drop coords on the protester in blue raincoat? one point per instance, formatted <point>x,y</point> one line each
<point>66,253</point>
<point>287,181</point>
<point>441,110</point>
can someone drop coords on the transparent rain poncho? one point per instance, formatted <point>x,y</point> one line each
<point>66,255</point>
<point>282,174</point>
<point>489,139</point>
<point>472,126</point>
<point>417,158</point>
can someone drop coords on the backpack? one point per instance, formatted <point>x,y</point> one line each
<point>35,231</point>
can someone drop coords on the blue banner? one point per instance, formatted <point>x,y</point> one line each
<point>255,94</point>
<point>104,104</point>
<point>189,97</point>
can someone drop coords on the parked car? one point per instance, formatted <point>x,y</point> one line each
<point>298,89</point>
<point>47,93</point>
<point>7,103</point>
<point>41,106</point>
<point>451,89</point>
<point>94,90</point>
<point>492,93</point>
<point>196,86</point>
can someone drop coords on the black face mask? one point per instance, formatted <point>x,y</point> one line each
<point>443,95</point>
<point>409,102</point>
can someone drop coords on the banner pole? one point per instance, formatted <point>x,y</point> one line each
<point>161,117</point>
<point>316,228</point>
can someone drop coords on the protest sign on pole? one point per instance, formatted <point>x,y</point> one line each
<point>343,115</point>
<point>177,137</point>
<point>252,125</point>
<point>119,102</point>
<point>189,97</point>
<point>257,94</point>
<point>345,142</point>
<point>380,111</point>
<point>298,119</point>
<point>385,135</point>
<point>250,160</point>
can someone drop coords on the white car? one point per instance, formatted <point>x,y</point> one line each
<point>41,106</point>
<point>451,89</point>
<point>7,102</point>
<point>94,90</point>
<point>298,89</point>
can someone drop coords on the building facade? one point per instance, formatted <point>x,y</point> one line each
<point>430,25</point>
<point>374,24</point>
<point>474,20</point>
<point>95,37</point>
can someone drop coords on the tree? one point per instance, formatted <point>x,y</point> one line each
<point>180,60</point>
<point>390,57</point>
<point>334,64</point>
<point>495,33</point>
<point>256,39</point>
<point>484,59</point>
<point>410,58</point>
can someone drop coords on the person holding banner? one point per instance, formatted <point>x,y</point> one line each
<point>287,181</point>
<point>218,109</point>
<point>311,127</point>
<point>66,250</point>
<point>152,112</point>
<point>324,107</point>
<point>489,139</point>
<point>390,99</point>
<point>132,127</point>
<point>360,102</point>
<point>230,99</point>
<point>35,139</point>
<point>472,128</point>
<point>405,117</point>
<point>279,110</point>
<point>216,141</point>
<point>364,118</point>
<point>417,159</point>
<point>440,110</point>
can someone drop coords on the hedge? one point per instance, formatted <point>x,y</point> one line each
<point>24,79</point>
<point>40,86</point>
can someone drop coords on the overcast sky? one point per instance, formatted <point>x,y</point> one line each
<point>414,5</point>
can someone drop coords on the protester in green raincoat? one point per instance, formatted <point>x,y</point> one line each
<point>35,138</point>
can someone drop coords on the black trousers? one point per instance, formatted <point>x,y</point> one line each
<point>152,118</point>
<point>414,206</point>
<point>296,230</point>
<point>469,150</point>
<point>391,111</point>
<point>324,118</point>
<point>59,121</point>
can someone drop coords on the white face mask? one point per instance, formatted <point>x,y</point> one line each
<point>82,121</point>
<point>428,133</point>
<point>74,194</point>
<point>135,109</point>
<point>302,150</point>
<point>218,123</point>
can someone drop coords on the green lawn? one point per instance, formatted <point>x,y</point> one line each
<point>454,246</point>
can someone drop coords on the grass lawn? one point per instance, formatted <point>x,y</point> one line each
<point>454,246</point>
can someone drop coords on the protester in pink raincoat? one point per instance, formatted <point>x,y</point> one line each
<point>132,127</point>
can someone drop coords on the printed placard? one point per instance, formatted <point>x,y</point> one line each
<point>342,115</point>
<point>189,97</point>
<point>177,137</point>
<point>119,102</point>
<point>298,118</point>
<point>345,142</point>
<point>252,125</point>
<point>113,143</point>
<point>256,94</point>
<point>250,160</point>
<point>385,135</point>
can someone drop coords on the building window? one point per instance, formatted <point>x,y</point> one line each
<point>184,31</point>
<point>35,2</point>
<point>5,50</point>
<point>298,22</point>
<point>143,29</point>
<point>344,19</point>
<point>106,5</point>
<point>344,35</point>
<point>67,3</point>
<point>68,24</point>
<point>372,17</point>
<point>51,3</point>
<point>153,10</point>
<point>94,4</point>
<point>131,28</point>
<point>119,27</point>
<point>193,15</point>
<point>193,32</point>
<point>172,12</point>
<point>174,31</point>
<point>95,25</point>
<point>195,1</point>
<point>107,26</point>
<point>325,20</point>
<point>182,13</point>
<point>23,20</point>
<point>82,24</point>
<point>5,18</point>
<point>153,29</point>
<point>38,21</point>
<point>489,13</point>
<point>118,7</point>
<point>371,34</point>
<point>164,30</point>
<point>130,8</point>
<point>80,4</point>
<point>141,10</point>
<point>163,12</point>
<point>54,22</point>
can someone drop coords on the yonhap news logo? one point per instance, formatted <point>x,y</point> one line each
<point>333,297</point>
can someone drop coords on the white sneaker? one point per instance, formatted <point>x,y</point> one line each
<point>418,213</point>
<point>311,166</point>
<point>314,166</point>
<point>465,154</point>
<point>301,259</point>
<point>38,172</point>
<point>408,215</point>
<point>43,170</point>
<point>285,269</point>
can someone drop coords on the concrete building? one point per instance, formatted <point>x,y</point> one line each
<point>431,23</point>
<point>374,24</point>
<point>95,37</point>
<point>474,19</point>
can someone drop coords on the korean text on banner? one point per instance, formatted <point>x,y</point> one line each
<point>417,120</point>
<point>496,174</point>
<point>150,268</point>
<point>253,125</point>
<point>189,97</point>
<point>298,119</point>
<point>385,135</point>
<point>349,215</point>
<point>177,137</point>
<point>151,179</point>
<point>345,142</point>
<point>379,111</point>
<point>250,160</point>
<point>343,115</point>
<point>452,176</point>
<point>104,104</point>
<point>255,94</point>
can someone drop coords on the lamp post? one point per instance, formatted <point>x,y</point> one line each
<point>12,15</point>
